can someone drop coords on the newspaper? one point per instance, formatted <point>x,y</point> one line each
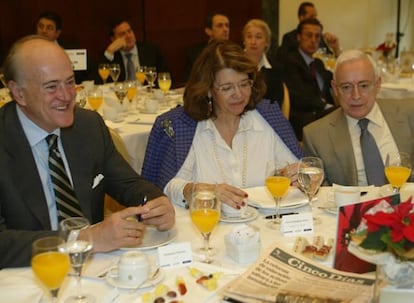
<point>284,276</point>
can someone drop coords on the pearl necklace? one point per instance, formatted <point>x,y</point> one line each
<point>218,160</point>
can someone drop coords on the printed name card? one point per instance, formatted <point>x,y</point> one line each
<point>297,224</point>
<point>78,58</point>
<point>175,255</point>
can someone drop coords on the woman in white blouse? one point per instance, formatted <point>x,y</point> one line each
<point>224,135</point>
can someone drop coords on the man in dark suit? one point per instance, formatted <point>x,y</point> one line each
<point>307,79</point>
<point>329,42</point>
<point>49,25</point>
<point>40,78</point>
<point>217,27</point>
<point>124,45</point>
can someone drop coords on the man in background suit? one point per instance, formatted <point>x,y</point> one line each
<point>40,78</point>
<point>336,137</point>
<point>49,25</point>
<point>329,42</point>
<point>217,27</point>
<point>307,79</point>
<point>123,43</point>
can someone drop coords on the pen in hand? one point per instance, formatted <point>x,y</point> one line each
<point>144,201</point>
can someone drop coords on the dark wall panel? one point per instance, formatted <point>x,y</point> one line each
<point>172,24</point>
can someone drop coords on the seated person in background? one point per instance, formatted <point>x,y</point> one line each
<point>217,27</point>
<point>40,78</point>
<point>224,134</point>
<point>130,54</point>
<point>49,25</point>
<point>256,41</point>
<point>336,137</point>
<point>307,79</point>
<point>329,42</point>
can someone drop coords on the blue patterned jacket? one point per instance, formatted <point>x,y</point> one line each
<point>172,135</point>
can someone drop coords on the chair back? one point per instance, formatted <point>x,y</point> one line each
<point>286,102</point>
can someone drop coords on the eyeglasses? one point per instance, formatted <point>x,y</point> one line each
<point>230,88</point>
<point>348,88</point>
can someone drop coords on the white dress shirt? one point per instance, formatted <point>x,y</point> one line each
<point>36,137</point>
<point>134,57</point>
<point>254,145</point>
<point>379,129</point>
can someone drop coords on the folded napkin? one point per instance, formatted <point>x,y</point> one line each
<point>261,198</point>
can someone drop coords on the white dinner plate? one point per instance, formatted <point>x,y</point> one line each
<point>250,214</point>
<point>154,238</point>
<point>329,207</point>
<point>149,283</point>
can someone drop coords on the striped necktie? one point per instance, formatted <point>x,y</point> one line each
<point>66,202</point>
<point>374,167</point>
<point>130,67</point>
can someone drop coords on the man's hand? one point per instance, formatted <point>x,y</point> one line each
<point>333,42</point>
<point>116,45</point>
<point>158,212</point>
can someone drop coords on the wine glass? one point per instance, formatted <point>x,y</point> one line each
<point>277,184</point>
<point>95,98</point>
<point>397,169</point>
<point>115,71</point>
<point>164,82</point>
<point>78,246</point>
<point>49,263</point>
<point>150,76</point>
<point>140,74</point>
<point>131,90</point>
<point>310,177</point>
<point>121,91</point>
<point>104,71</point>
<point>205,214</point>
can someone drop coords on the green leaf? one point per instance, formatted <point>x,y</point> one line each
<point>374,240</point>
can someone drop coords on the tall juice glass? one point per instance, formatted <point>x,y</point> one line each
<point>49,264</point>
<point>205,214</point>
<point>397,169</point>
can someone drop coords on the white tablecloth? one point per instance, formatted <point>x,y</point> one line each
<point>20,284</point>
<point>397,89</point>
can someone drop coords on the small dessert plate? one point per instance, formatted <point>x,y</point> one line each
<point>250,214</point>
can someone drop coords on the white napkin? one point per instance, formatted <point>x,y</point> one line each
<point>261,198</point>
<point>11,286</point>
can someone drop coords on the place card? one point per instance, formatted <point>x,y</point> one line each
<point>78,58</point>
<point>175,255</point>
<point>297,224</point>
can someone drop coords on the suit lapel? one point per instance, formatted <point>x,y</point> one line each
<point>341,141</point>
<point>398,125</point>
<point>25,174</point>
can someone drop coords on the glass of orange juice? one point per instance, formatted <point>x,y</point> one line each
<point>140,74</point>
<point>397,169</point>
<point>164,82</point>
<point>49,263</point>
<point>205,214</point>
<point>277,183</point>
<point>95,98</point>
<point>104,71</point>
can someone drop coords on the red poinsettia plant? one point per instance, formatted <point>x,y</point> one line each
<point>389,228</point>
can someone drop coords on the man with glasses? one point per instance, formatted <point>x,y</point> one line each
<point>307,78</point>
<point>337,138</point>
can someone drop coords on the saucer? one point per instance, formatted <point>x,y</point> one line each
<point>250,214</point>
<point>149,283</point>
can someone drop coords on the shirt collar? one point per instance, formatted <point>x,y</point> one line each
<point>247,122</point>
<point>133,51</point>
<point>308,59</point>
<point>264,62</point>
<point>34,133</point>
<point>374,116</point>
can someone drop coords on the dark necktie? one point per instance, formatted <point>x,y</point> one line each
<point>374,167</point>
<point>130,67</point>
<point>66,202</point>
<point>312,68</point>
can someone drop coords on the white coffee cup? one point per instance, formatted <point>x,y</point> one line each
<point>151,105</point>
<point>133,269</point>
<point>346,195</point>
<point>232,212</point>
